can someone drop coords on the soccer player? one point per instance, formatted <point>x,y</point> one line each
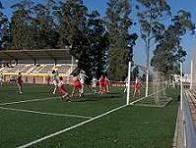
<point>107,82</point>
<point>55,79</point>
<point>62,91</point>
<point>19,82</point>
<point>48,79</point>
<point>126,84</point>
<point>137,85</point>
<point>82,77</point>
<point>102,84</point>
<point>77,86</point>
<point>94,82</point>
<point>1,79</point>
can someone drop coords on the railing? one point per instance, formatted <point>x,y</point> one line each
<point>189,129</point>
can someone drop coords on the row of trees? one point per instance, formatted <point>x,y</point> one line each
<point>99,43</point>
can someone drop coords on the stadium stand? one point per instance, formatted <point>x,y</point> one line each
<point>63,68</point>
<point>47,68</point>
<point>36,65</point>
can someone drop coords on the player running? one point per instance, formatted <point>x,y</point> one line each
<point>137,85</point>
<point>77,86</point>
<point>1,79</point>
<point>82,77</point>
<point>126,84</point>
<point>19,83</point>
<point>62,91</point>
<point>55,79</point>
<point>107,82</point>
<point>94,82</point>
<point>102,85</point>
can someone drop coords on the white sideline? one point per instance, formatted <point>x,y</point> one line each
<point>24,101</point>
<point>45,113</point>
<point>81,123</point>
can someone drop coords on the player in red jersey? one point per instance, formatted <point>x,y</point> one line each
<point>107,82</point>
<point>137,85</point>
<point>62,91</point>
<point>19,82</point>
<point>77,86</point>
<point>102,84</point>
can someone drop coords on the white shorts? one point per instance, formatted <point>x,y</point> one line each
<point>55,82</point>
<point>82,81</point>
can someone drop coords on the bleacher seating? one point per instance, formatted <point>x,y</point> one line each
<point>26,68</point>
<point>14,69</point>
<point>46,69</point>
<point>37,69</point>
<point>62,68</point>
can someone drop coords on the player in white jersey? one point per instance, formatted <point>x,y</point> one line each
<point>82,77</point>
<point>55,80</point>
<point>1,79</point>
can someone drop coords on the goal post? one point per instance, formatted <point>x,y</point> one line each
<point>128,84</point>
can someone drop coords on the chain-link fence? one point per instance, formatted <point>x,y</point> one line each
<point>193,69</point>
<point>189,129</point>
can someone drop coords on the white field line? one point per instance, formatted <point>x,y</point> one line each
<point>45,113</point>
<point>33,100</point>
<point>77,125</point>
<point>131,103</point>
<point>24,101</point>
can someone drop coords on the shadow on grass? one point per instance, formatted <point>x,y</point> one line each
<point>96,97</point>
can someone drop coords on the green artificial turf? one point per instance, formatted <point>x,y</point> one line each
<point>132,126</point>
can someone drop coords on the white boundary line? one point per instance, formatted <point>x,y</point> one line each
<point>45,113</point>
<point>81,123</point>
<point>132,103</point>
<point>24,101</point>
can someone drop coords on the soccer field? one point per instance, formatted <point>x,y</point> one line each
<point>40,119</point>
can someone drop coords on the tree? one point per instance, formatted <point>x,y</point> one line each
<point>150,15</point>
<point>72,20</point>
<point>169,52</point>
<point>45,30</point>
<point>98,44</point>
<point>20,25</point>
<point>4,29</point>
<point>118,24</point>
<point>85,34</point>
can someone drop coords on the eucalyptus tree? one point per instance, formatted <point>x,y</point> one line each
<point>84,33</point>
<point>151,14</point>
<point>22,35</point>
<point>169,51</point>
<point>4,29</point>
<point>43,24</point>
<point>118,23</point>
<point>98,44</point>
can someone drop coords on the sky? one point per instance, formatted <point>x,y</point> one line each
<point>188,41</point>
